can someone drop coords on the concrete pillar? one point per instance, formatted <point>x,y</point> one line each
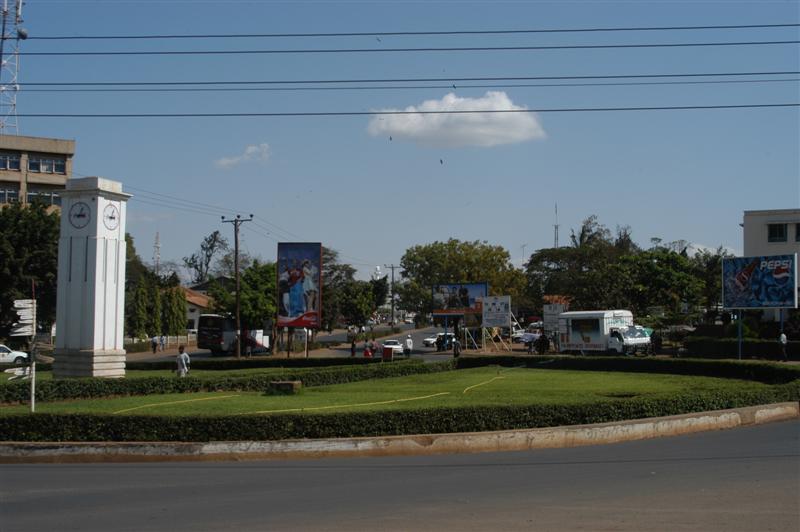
<point>90,309</point>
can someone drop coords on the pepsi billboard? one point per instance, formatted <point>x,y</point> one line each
<point>759,282</point>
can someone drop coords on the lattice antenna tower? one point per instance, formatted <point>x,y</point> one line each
<point>157,253</point>
<point>555,229</point>
<point>12,34</point>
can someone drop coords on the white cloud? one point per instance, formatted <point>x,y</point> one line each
<point>468,129</point>
<point>254,152</point>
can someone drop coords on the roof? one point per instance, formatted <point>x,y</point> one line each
<point>195,298</point>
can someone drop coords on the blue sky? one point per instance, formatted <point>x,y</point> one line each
<point>341,181</point>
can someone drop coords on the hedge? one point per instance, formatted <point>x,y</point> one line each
<point>708,347</point>
<point>84,427</point>
<point>62,389</point>
<point>765,372</point>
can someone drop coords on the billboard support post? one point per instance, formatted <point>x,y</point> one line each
<point>740,315</point>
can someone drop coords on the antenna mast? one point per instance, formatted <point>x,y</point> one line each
<point>157,253</point>
<point>9,67</point>
<point>555,229</point>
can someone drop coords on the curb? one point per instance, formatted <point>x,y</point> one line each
<point>428,444</point>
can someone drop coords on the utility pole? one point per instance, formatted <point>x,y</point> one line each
<point>555,227</point>
<point>236,223</point>
<point>392,266</point>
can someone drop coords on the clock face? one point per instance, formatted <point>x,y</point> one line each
<point>79,215</point>
<point>111,216</point>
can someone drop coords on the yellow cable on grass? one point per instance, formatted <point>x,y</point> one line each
<point>173,403</point>
<point>344,406</point>
<point>481,384</point>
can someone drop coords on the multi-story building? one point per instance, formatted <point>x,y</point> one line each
<point>34,168</point>
<point>771,232</point>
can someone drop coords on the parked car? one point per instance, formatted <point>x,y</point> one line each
<point>430,341</point>
<point>8,356</point>
<point>397,347</point>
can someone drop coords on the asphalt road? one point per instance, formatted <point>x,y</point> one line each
<point>744,479</point>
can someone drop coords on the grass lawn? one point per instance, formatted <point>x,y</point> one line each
<point>472,387</point>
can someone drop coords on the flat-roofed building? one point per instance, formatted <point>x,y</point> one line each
<point>34,168</point>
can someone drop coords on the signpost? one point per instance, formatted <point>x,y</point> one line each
<point>26,326</point>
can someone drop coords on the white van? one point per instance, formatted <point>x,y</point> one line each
<point>601,331</point>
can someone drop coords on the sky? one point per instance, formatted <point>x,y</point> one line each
<point>371,186</point>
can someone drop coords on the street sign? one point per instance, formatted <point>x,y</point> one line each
<point>22,330</point>
<point>26,315</point>
<point>19,373</point>
<point>24,303</point>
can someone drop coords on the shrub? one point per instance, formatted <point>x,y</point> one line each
<point>58,390</point>
<point>84,427</point>
<point>706,347</point>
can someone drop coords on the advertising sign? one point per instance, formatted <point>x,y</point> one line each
<point>497,311</point>
<point>759,282</point>
<point>459,298</point>
<point>299,268</point>
<point>551,312</point>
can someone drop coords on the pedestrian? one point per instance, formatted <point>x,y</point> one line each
<point>456,348</point>
<point>183,362</point>
<point>367,351</point>
<point>408,347</point>
<point>353,348</point>
<point>154,344</point>
<point>543,344</point>
<point>783,341</point>
<point>530,345</point>
<point>163,342</point>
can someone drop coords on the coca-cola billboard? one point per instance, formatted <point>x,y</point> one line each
<point>759,282</point>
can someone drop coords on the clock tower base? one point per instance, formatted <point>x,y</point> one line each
<point>72,363</point>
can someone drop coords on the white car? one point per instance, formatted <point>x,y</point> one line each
<point>397,347</point>
<point>430,341</point>
<point>7,356</point>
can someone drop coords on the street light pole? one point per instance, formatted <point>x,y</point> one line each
<point>392,266</point>
<point>238,221</point>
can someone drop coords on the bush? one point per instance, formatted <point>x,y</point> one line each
<point>706,347</point>
<point>84,427</point>
<point>62,389</point>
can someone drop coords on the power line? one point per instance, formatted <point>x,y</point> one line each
<point>416,87</point>
<point>406,33</point>
<point>397,113</point>
<point>404,50</point>
<point>409,80</point>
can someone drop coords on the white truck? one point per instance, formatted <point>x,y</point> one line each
<point>601,331</point>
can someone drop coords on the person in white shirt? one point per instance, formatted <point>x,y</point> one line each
<point>183,362</point>
<point>409,346</point>
<point>783,341</point>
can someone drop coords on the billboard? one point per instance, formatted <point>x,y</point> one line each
<point>497,311</point>
<point>299,291</point>
<point>459,298</point>
<point>759,282</point>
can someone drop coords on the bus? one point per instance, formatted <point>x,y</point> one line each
<point>216,333</point>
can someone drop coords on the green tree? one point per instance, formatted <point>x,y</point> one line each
<point>199,263</point>
<point>154,309</point>
<point>257,305</point>
<point>174,311</point>
<point>456,261</point>
<point>138,317</point>
<point>358,302</point>
<point>28,254</point>
<point>335,277</point>
<point>380,291</point>
<point>707,268</point>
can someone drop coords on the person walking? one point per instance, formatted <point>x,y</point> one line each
<point>183,361</point>
<point>163,342</point>
<point>783,341</point>
<point>353,348</point>
<point>154,344</point>
<point>456,348</point>
<point>408,347</point>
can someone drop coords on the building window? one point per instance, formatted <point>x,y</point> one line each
<point>9,195</point>
<point>47,164</point>
<point>776,232</point>
<point>9,161</point>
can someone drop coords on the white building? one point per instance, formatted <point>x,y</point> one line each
<point>771,232</point>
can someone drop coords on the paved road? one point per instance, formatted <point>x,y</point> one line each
<point>737,480</point>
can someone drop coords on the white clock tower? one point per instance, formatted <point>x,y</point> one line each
<point>90,310</point>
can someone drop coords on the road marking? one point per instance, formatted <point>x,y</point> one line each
<point>481,384</point>
<point>173,403</point>
<point>343,406</point>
